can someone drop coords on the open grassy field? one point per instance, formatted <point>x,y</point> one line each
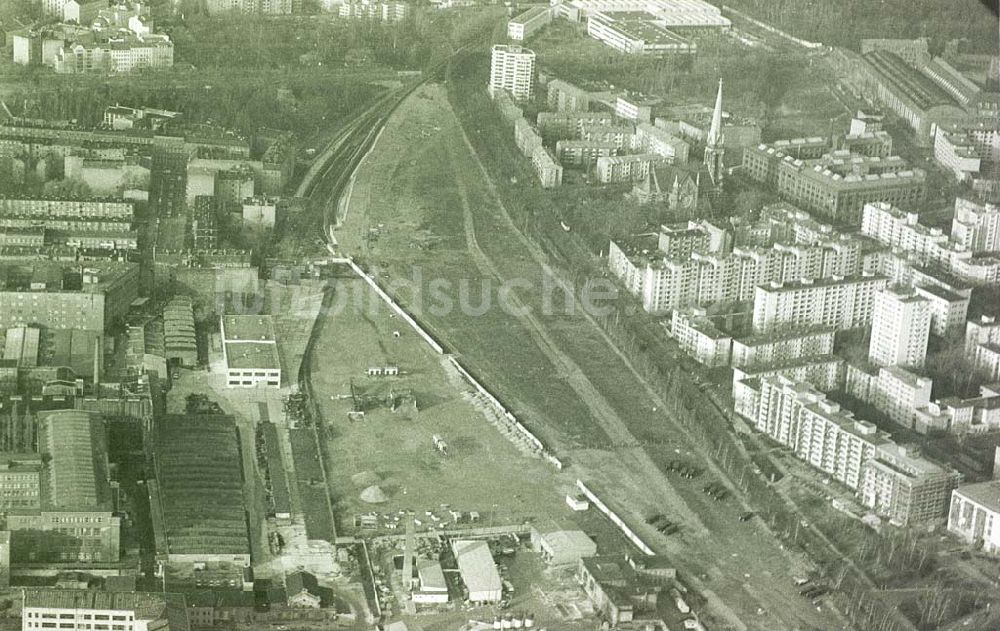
<point>421,202</point>
<point>481,472</point>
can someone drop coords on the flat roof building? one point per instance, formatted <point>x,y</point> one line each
<point>512,69</point>
<point>250,351</point>
<point>975,515</point>
<point>525,24</point>
<point>87,609</point>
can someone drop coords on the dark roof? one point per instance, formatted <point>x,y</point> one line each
<point>298,582</point>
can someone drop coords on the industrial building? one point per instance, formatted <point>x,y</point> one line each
<point>73,487</point>
<point>525,24</point>
<point>559,547</point>
<point>89,609</point>
<point>196,492</point>
<point>250,351</point>
<point>478,571</point>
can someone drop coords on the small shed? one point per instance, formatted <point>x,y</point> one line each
<point>562,547</point>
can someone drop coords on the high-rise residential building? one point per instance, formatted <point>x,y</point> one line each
<point>975,515</point>
<point>976,225</point>
<point>512,68</point>
<point>894,482</point>
<point>905,488</point>
<point>698,336</point>
<point>782,346</point>
<point>666,281</point>
<point>844,302</point>
<point>901,326</point>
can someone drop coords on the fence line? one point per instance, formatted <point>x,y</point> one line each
<point>615,519</point>
<point>547,455</point>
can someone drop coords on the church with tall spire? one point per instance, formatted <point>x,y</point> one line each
<point>715,143</point>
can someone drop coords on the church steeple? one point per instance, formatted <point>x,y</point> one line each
<point>714,143</point>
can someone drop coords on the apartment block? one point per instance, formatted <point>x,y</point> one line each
<point>976,225</point>
<point>512,68</point>
<point>583,153</point>
<point>548,169</point>
<point>563,125</point>
<point>844,302</point>
<point>631,168</point>
<point>669,281</point>
<point>699,337</point>
<point>949,310</point>
<point>563,96</point>
<point>91,609</point>
<point>901,327</point>
<point>525,24</point>
<point>782,346</point>
<point>904,488</point>
<point>824,372</point>
<point>818,431</point>
<point>378,11</point>
<point>635,107</point>
<point>837,184</point>
<point>974,515</point>
<point>62,296</point>
<point>893,481</point>
<point>650,139</point>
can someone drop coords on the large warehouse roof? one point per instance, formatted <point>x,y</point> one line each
<point>200,486</point>
<point>77,474</point>
<point>476,565</point>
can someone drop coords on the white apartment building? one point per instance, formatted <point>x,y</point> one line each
<point>525,25</point>
<point>633,168</point>
<point>899,393</point>
<point>901,327</point>
<point>982,344</point>
<point>512,68</point>
<point>895,482</point>
<point>123,54</point>
<point>898,229</point>
<point>694,278</point>
<point>949,310</point>
<point>818,431</point>
<point>930,246</point>
<point>823,372</point>
<point>956,152</point>
<point>696,334</point>
<point>905,488</point>
<point>635,108</point>
<point>975,515</point>
<point>844,302</point>
<point>380,11</point>
<point>548,169</point>
<point>782,346</point>
<point>650,139</point>
<point>984,330</point>
<point>976,225</point>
